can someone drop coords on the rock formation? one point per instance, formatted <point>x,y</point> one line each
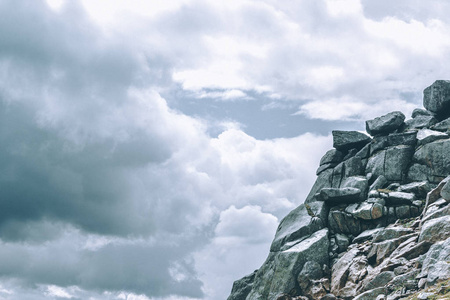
<point>376,224</point>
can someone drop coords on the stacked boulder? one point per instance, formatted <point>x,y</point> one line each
<point>376,223</point>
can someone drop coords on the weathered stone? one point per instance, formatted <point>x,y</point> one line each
<point>420,122</point>
<point>340,271</point>
<point>385,124</point>
<point>342,242</point>
<point>420,189</point>
<point>403,138</point>
<point>445,191</point>
<point>375,164</point>
<point>324,167</point>
<point>377,210</point>
<point>242,287</point>
<point>425,136</point>
<point>391,233</point>
<point>403,212</point>
<point>399,198</point>
<point>346,140</point>
<point>440,212</point>
<point>364,152</point>
<point>380,280</point>
<point>372,294</point>
<point>413,250</point>
<point>295,226</point>
<point>351,153</point>
<point>341,222</point>
<point>420,112</point>
<point>397,161</point>
<point>443,126</point>
<point>436,98</point>
<point>378,143</point>
<point>364,211</point>
<point>366,235</point>
<point>435,229</point>
<point>332,156</point>
<point>379,183</point>
<point>340,195</point>
<point>436,264</point>
<point>432,156</point>
<point>278,274</point>
<point>382,250</point>
<point>328,297</point>
<point>426,296</point>
<point>358,182</point>
<point>418,172</point>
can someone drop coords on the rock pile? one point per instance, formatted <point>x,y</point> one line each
<point>376,224</point>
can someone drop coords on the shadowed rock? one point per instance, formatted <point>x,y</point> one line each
<point>346,140</point>
<point>436,97</point>
<point>385,124</point>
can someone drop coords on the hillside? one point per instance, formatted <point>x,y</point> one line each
<point>376,223</point>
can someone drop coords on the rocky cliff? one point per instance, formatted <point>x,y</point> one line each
<point>376,224</point>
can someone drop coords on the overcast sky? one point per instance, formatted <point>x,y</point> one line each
<point>150,148</point>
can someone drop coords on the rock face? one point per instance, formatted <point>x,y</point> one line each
<point>375,224</point>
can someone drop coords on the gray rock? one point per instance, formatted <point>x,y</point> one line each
<point>364,211</point>
<point>328,297</point>
<point>346,140</point>
<point>342,222</point>
<point>391,233</point>
<point>342,242</point>
<point>324,167</point>
<point>436,98</point>
<point>403,212</point>
<point>418,172</point>
<point>340,195</point>
<point>332,156</point>
<point>399,198</point>
<point>364,152</point>
<point>442,126</point>
<point>426,296</point>
<point>420,112</point>
<point>375,164</point>
<point>377,210</point>
<point>432,156</point>
<point>385,124</point>
<point>420,189</point>
<point>436,263</point>
<point>397,161</point>
<point>366,235</point>
<point>242,287</point>
<point>384,249</point>
<point>435,230</point>
<point>295,226</point>
<point>353,167</point>
<point>425,136</point>
<point>380,280</point>
<point>278,275</point>
<point>358,182</point>
<point>420,122</point>
<point>378,143</point>
<point>372,294</point>
<point>340,270</point>
<point>403,138</point>
<point>312,270</point>
<point>445,191</point>
<point>323,180</point>
<point>379,183</point>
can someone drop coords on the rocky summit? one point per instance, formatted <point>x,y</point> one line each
<point>376,223</point>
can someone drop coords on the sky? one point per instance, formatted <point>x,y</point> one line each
<point>150,148</point>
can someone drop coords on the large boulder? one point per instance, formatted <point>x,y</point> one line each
<point>434,159</point>
<point>436,97</point>
<point>279,273</point>
<point>436,264</point>
<point>299,224</point>
<point>340,195</point>
<point>385,124</point>
<point>242,287</point>
<point>435,230</point>
<point>346,140</point>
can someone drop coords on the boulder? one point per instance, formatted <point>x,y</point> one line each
<point>346,140</point>
<point>385,124</point>
<point>279,273</point>
<point>436,98</point>
<point>242,287</point>
<point>399,198</point>
<point>367,235</point>
<point>420,122</point>
<point>435,230</point>
<point>390,233</point>
<point>419,189</point>
<point>432,156</point>
<point>425,136</point>
<point>442,126</point>
<point>342,222</point>
<point>297,225</point>
<point>358,182</point>
<point>420,112</point>
<point>340,195</point>
<point>445,191</point>
<point>436,264</point>
<point>379,183</point>
<point>332,156</point>
<point>380,280</point>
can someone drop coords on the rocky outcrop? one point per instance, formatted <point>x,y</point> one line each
<point>375,224</point>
